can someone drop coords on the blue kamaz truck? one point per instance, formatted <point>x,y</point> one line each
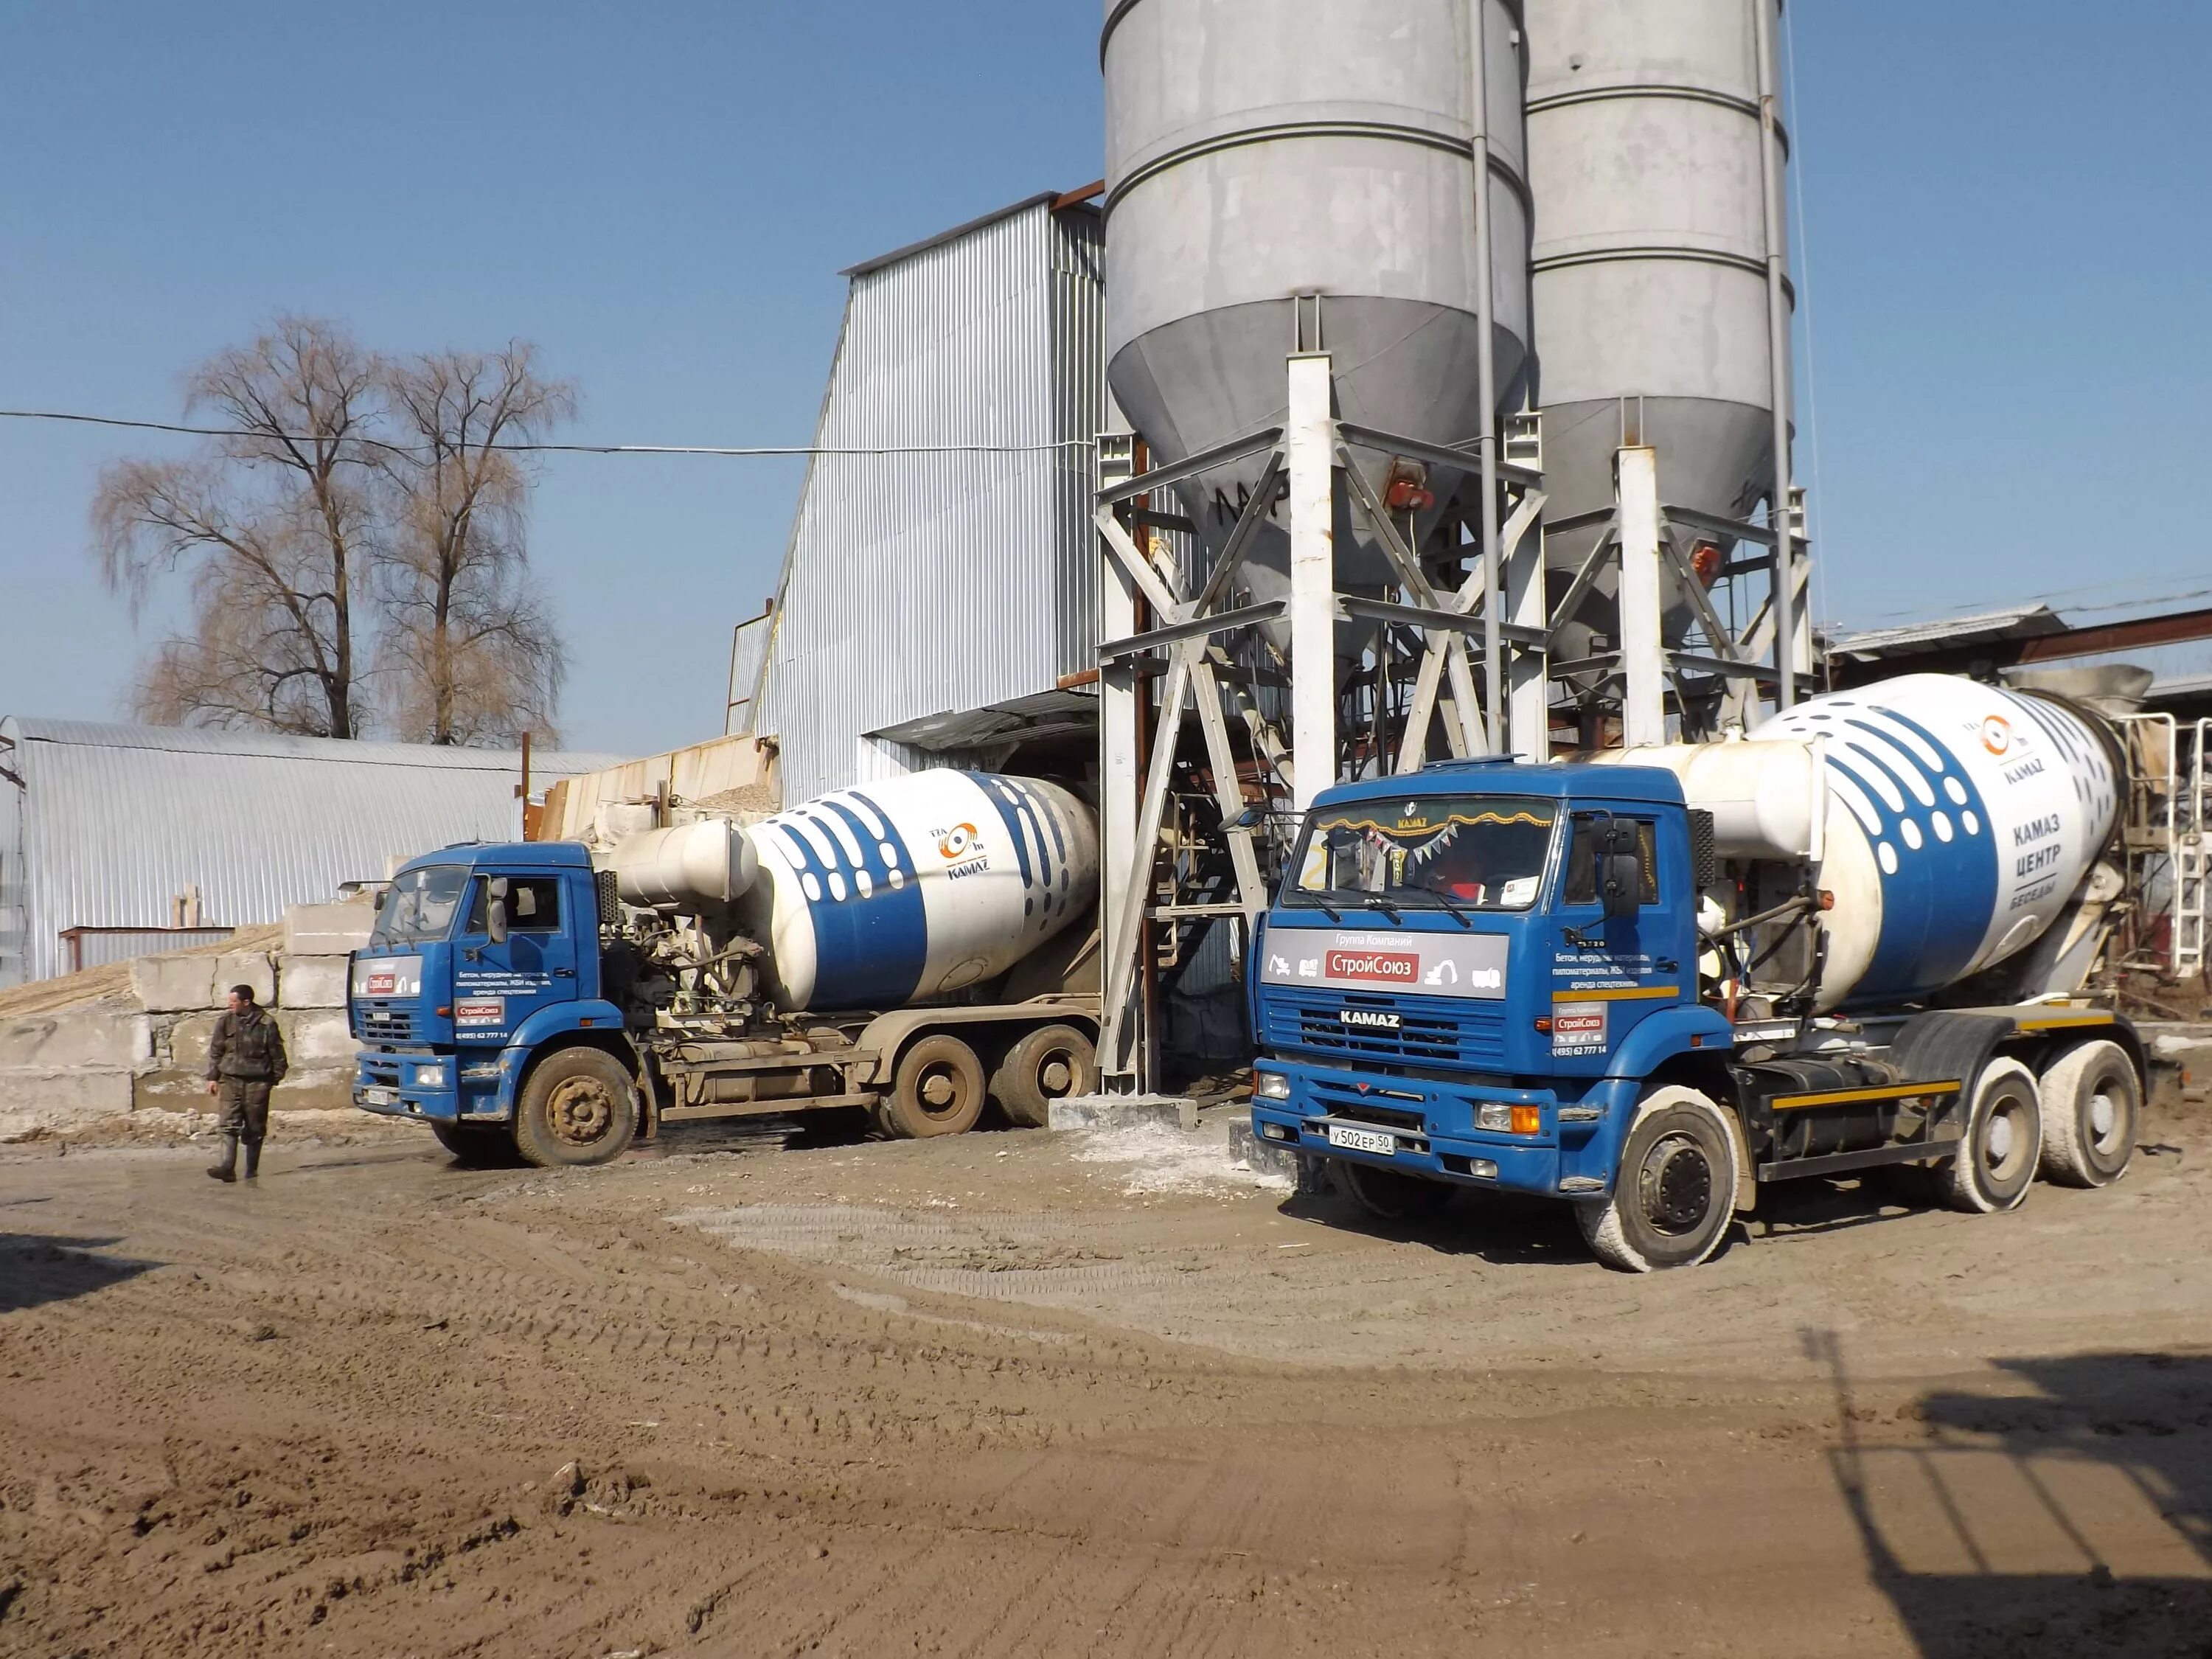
<point>1864,948</point>
<point>918,951</point>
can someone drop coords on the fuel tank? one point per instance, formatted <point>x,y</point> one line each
<point>914,888</point>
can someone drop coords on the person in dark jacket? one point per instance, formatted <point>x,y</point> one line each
<point>246,1059</point>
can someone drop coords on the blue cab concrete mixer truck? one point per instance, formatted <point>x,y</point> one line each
<point>1649,986</point>
<point>914,948</point>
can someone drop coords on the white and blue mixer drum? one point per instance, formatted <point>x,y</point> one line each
<point>916,887</point>
<point>1962,818</point>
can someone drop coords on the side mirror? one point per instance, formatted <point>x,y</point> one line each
<point>496,911</point>
<point>1619,868</point>
<point>376,903</point>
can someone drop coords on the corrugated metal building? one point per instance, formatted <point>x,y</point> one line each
<point>105,826</point>
<point>923,592</point>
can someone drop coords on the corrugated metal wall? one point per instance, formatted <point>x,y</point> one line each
<point>916,585</point>
<point>748,656</point>
<point>115,821</point>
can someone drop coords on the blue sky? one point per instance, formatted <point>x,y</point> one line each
<point>2007,207</point>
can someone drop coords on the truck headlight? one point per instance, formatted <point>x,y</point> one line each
<point>1270,1086</point>
<point>1496,1117</point>
<point>430,1077</point>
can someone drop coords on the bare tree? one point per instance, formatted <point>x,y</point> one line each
<point>274,527</point>
<point>469,650</point>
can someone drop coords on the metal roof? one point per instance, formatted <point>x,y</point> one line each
<point>917,585</point>
<point>102,826</point>
<point>2019,621</point>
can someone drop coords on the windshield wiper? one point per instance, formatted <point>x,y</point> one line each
<point>1351,898</point>
<point>1459,911</point>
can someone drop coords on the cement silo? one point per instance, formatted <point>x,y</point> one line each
<point>1257,153</point>
<point>1650,259</point>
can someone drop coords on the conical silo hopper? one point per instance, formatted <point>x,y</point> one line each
<point>1258,151</point>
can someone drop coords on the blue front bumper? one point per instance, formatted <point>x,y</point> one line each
<point>1434,1124</point>
<point>435,1088</point>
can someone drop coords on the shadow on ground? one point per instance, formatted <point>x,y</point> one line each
<point>35,1270</point>
<point>2071,1515</point>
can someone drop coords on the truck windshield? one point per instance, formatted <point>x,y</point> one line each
<point>1445,852</point>
<point>420,906</point>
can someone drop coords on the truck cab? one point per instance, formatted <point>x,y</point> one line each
<point>1471,975</point>
<point>482,970</point>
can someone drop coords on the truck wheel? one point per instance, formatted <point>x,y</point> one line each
<point>483,1147</point>
<point>1048,1064</point>
<point>2092,1099</point>
<point>580,1106</point>
<point>2004,1142</point>
<point>1674,1194</point>
<point>937,1090</point>
<point>1390,1195</point>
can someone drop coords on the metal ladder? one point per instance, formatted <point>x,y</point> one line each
<point>2192,810</point>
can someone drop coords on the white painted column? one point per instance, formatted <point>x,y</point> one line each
<point>1310,440</point>
<point>1119,774</point>
<point>1643,658</point>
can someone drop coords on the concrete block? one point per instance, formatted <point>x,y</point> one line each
<point>318,1089</point>
<point>311,982</point>
<point>1257,1153</point>
<point>245,967</point>
<point>188,1042</point>
<point>173,984</point>
<point>172,1089</point>
<point>107,1034</point>
<point>1123,1112</point>
<point>327,930</point>
<point>317,1037</point>
<point>56,1102</point>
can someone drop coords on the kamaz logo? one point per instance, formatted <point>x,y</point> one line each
<point>1372,1019</point>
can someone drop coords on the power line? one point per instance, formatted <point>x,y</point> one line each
<point>738,451</point>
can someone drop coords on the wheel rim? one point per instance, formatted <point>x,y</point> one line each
<point>1055,1074</point>
<point>2005,1140</point>
<point>936,1091</point>
<point>2108,1121</point>
<point>579,1111</point>
<point>1676,1186</point>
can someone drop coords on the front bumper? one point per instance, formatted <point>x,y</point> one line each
<point>1434,1124</point>
<point>399,1084</point>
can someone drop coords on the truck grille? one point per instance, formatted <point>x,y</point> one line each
<point>1428,1033</point>
<point>382,1022</point>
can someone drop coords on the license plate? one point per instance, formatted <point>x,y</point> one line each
<point>380,1097</point>
<point>1363,1140</point>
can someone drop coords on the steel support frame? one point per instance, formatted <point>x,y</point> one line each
<point>1304,458</point>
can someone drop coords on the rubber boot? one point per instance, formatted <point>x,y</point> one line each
<point>224,1168</point>
<point>252,1159</point>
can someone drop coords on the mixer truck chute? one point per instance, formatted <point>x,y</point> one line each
<point>1651,985</point>
<point>911,949</point>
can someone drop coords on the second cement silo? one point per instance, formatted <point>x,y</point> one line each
<point>1650,259</point>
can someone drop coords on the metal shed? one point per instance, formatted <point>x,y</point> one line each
<point>106,826</point>
<point>943,584</point>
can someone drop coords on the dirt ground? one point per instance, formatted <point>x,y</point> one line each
<point>1106,1394</point>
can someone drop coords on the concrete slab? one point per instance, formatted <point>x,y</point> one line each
<point>188,1042</point>
<point>33,1102</point>
<point>327,930</point>
<point>100,1034</point>
<point>245,967</point>
<point>1123,1112</point>
<point>311,982</point>
<point>316,1037</point>
<point>173,984</point>
<point>314,1089</point>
